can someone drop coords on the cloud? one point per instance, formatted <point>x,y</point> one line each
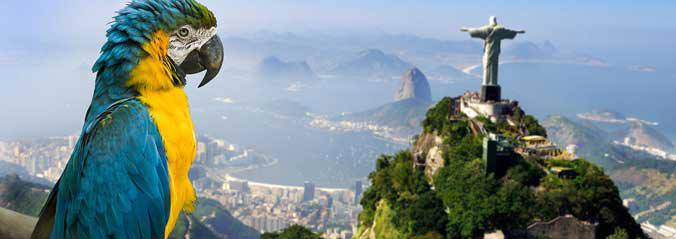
<point>224,100</point>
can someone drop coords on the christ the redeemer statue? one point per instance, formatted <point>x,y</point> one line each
<point>492,34</point>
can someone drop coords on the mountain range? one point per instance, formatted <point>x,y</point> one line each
<point>642,134</point>
<point>211,220</point>
<point>272,69</point>
<point>449,74</point>
<point>531,50</point>
<point>643,179</point>
<point>371,64</point>
<point>628,130</point>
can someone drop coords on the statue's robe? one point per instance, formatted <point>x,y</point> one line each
<point>492,35</point>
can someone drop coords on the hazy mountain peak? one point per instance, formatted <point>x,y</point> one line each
<point>448,73</point>
<point>273,68</point>
<point>642,134</point>
<point>531,50</point>
<point>372,64</point>
<point>271,60</point>
<point>414,85</point>
<point>372,53</point>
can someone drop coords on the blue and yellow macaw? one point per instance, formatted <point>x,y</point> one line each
<point>128,174</point>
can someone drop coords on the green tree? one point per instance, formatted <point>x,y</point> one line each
<point>591,196</point>
<point>469,196</point>
<point>423,214</point>
<point>619,234</point>
<point>514,208</point>
<point>416,208</point>
<point>437,116</point>
<point>533,126</point>
<point>526,173</point>
<point>292,232</point>
<point>429,235</point>
<point>464,149</point>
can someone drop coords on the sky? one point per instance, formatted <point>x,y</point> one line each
<point>433,18</point>
<point>603,26</point>
<point>44,42</point>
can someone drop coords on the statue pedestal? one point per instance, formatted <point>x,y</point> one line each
<point>490,93</point>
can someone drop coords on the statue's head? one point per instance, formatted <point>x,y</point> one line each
<point>493,21</point>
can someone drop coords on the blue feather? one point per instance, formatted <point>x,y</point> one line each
<point>95,199</point>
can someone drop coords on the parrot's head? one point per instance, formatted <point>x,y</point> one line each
<point>193,43</point>
<point>152,40</point>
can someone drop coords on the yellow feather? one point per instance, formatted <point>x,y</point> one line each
<point>168,106</point>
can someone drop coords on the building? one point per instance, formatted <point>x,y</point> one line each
<point>329,202</point>
<point>357,191</point>
<point>497,152</point>
<point>308,191</point>
<point>346,235</point>
<point>539,146</point>
<point>630,204</point>
<point>563,172</point>
<point>494,235</point>
<point>200,152</point>
<point>237,185</point>
<point>572,150</point>
<point>660,232</point>
<point>473,106</point>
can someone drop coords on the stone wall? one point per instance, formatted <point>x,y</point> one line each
<point>493,110</point>
<point>563,227</point>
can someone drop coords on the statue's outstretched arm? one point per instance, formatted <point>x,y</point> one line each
<point>481,32</point>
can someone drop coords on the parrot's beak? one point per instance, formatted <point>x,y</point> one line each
<point>209,57</point>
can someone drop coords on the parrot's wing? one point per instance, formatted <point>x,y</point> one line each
<point>116,183</point>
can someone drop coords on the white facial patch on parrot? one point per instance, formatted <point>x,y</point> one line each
<point>187,39</point>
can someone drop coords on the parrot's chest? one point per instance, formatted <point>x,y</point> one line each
<point>170,112</point>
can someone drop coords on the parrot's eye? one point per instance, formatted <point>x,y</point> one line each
<point>184,32</point>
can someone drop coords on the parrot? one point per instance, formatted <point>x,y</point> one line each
<point>127,176</point>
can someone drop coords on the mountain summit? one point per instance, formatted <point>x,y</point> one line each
<point>371,64</point>
<point>414,85</point>
<point>470,177</point>
<point>275,69</point>
<point>642,134</point>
